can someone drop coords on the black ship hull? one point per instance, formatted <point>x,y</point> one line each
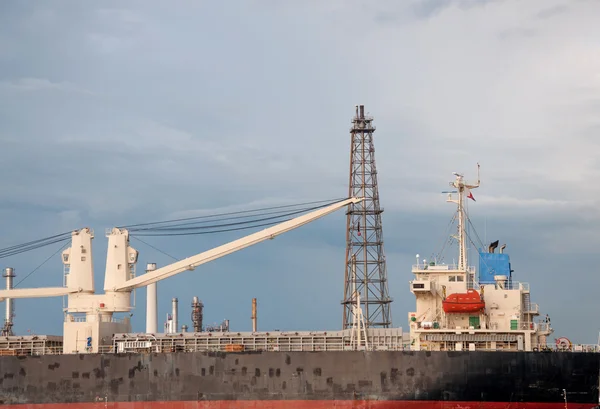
<point>277,380</point>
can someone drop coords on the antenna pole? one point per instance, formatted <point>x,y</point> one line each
<point>462,239</point>
<point>462,189</point>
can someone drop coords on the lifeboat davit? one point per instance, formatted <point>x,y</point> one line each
<point>463,302</point>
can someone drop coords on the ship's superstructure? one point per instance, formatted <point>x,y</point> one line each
<point>455,310</point>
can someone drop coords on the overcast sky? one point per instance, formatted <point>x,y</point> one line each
<point>126,112</point>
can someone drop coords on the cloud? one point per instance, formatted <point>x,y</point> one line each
<point>553,11</point>
<point>430,8</point>
<point>41,84</point>
<point>148,112</point>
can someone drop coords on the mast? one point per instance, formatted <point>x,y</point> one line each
<point>464,191</point>
<point>364,232</point>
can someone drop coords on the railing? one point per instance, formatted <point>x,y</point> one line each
<point>434,268</point>
<point>36,351</point>
<point>472,285</point>
<point>109,349</point>
<point>511,285</point>
<point>543,327</point>
<point>100,318</point>
<point>569,348</point>
<point>532,309</point>
<point>106,349</point>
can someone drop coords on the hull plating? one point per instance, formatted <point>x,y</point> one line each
<point>302,380</point>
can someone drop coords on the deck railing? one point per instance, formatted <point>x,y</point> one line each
<point>109,349</point>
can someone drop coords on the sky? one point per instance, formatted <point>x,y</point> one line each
<point>128,112</point>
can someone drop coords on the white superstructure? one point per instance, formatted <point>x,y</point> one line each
<point>456,312</point>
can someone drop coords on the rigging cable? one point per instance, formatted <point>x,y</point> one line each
<point>44,262</point>
<point>222,227</point>
<point>155,248</point>
<point>209,221</point>
<point>168,228</point>
<point>34,245</point>
<point>210,231</point>
<point>132,227</point>
<point>439,257</point>
<point>476,235</point>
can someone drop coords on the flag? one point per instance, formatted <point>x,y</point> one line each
<point>470,196</point>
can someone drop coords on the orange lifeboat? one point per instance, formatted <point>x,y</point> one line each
<point>463,302</point>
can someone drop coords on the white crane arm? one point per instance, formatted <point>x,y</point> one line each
<point>36,292</point>
<point>191,263</point>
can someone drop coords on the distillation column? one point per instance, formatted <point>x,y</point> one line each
<point>197,314</point>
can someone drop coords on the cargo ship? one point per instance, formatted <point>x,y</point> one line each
<point>475,340</point>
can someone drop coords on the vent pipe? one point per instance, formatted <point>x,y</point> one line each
<point>254,318</point>
<point>174,316</point>
<point>493,246</point>
<point>151,304</point>
<point>7,330</point>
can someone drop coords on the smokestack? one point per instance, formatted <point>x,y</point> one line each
<point>174,315</point>
<point>184,328</point>
<point>9,274</point>
<point>493,246</point>
<point>502,248</point>
<point>151,304</point>
<point>362,112</point>
<point>197,314</point>
<point>254,324</point>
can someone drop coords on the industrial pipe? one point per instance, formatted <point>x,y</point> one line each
<point>175,323</point>
<point>8,320</point>
<point>151,304</point>
<point>254,324</point>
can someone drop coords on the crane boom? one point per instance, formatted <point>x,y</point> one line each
<point>36,292</point>
<point>192,262</point>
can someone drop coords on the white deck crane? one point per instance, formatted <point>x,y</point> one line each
<point>98,327</point>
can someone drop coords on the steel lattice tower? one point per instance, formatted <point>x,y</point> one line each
<point>364,241</point>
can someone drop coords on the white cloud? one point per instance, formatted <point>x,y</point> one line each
<point>41,84</point>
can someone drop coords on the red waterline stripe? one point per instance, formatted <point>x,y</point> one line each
<point>304,404</point>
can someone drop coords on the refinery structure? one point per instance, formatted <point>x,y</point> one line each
<point>473,329</point>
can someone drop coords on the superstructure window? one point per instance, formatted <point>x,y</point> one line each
<point>452,279</point>
<point>460,278</point>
